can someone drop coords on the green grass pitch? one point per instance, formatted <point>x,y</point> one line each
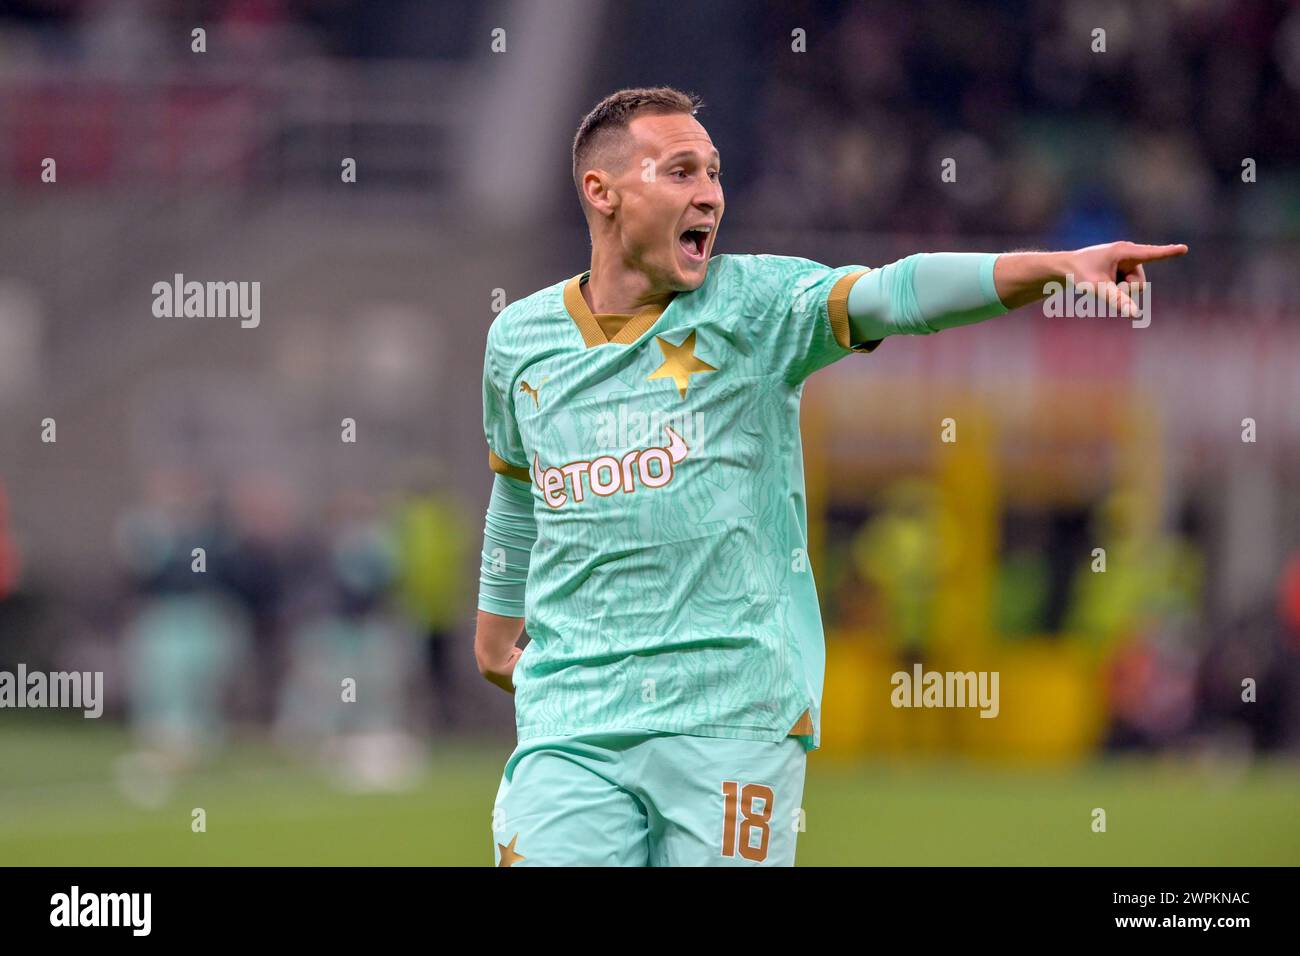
<point>60,806</point>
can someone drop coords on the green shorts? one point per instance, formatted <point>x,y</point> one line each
<point>640,798</point>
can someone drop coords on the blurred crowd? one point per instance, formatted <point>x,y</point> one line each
<point>1133,597</point>
<point>345,633</point>
<point>1050,135</point>
<point>841,115</point>
<point>237,609</point>
<point>127,33</point>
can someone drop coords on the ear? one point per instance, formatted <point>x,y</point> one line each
<point>599,192</point>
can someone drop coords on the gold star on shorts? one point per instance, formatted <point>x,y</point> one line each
<point>680,363</point>
<point>508,855</point>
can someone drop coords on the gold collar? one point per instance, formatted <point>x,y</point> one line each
<point>592,334</point>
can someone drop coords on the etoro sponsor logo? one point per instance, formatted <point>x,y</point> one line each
<point>645,467</point>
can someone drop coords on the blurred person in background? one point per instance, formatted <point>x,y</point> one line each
<point>259,556</point>
<point>901,553</point>
<point>1023,596</point>
<point>433,540</point>
<point>1141,613</point>
<point>186,641</point>
<point>346,692</point>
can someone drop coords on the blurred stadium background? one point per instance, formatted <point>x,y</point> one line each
<point>1120,690</point>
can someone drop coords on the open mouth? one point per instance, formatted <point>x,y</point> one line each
<point>694,241</point>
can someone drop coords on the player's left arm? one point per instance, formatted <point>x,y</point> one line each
<point>930,292</point>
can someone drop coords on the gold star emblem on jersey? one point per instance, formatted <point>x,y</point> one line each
<point>508,855</point>
<point>680,363</point>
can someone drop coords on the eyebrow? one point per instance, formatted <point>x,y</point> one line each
<point>690,154</point>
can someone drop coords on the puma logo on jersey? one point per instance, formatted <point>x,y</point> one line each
<point>606,475</point>
<point>529,390</point>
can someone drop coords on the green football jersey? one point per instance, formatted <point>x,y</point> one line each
<point>669,587</point>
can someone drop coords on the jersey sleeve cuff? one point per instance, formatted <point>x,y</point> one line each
<point>503,467</point>
<point>988,286</point>
<point>837,306</point>
<point>500,607</point>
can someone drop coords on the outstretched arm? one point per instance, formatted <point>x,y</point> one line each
<point>929,292</point>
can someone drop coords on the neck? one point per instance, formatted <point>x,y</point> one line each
<point>615,287</point>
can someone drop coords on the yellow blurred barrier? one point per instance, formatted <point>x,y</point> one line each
<point>1050,704</point>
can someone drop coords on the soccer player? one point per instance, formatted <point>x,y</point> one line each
<point>647,519</point>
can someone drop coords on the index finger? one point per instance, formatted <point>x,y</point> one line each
<point>1155,253</point>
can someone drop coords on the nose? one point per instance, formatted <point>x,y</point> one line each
<point>709,196</point>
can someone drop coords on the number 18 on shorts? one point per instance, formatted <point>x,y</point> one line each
<point>638,799</point>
